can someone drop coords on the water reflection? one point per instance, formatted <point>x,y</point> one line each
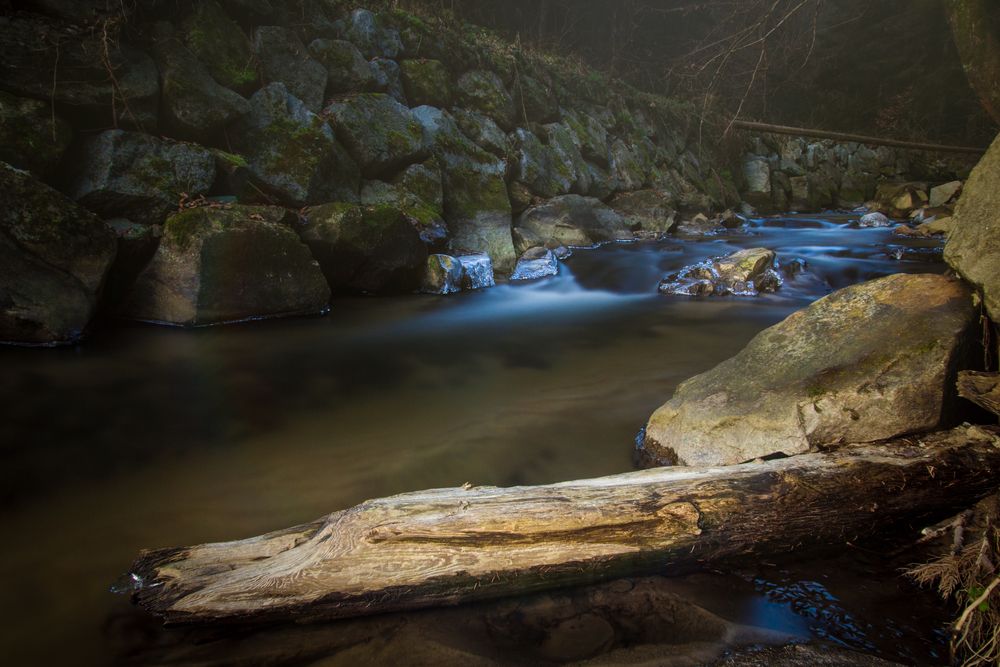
<point>148,437</point>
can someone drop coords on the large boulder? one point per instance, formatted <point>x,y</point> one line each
<point>566,160</point>
<point>590,135</point>
<point>866,363</point>
<point>533,165</point>
<point>476,205</point>
<point>627,167</point>
<point>973,248</point>
<point>284,58</point>
<point>483,91</point>
<point>388,78</point>
<point>381,134</point>
<point>757,176</point>
<point>195,106</point>
<point>228,264</point>
<point>444,275</point>
<point>220,45</point>
<point>130,175</point>
<point>294,151</point>
<point>745,272</point>
<point>30,136</point>
<point>374,39</point>
<point>572,220</point>
<point>649,210</point>
<point>421,214</point>
<point>535,263</point>
<point>426,82</point>
<point>483,131</point>
<point>370,249</point>
<point>347,70</point>
<point>54,256</point>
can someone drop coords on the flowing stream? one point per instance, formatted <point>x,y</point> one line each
<point>151,437</point>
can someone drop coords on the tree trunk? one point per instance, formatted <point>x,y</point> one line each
<point>449,546</point>
<point>975,25</point>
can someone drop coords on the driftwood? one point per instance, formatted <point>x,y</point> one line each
<point>449,546</point>
<point>983,389</point>
<point>753,126</point>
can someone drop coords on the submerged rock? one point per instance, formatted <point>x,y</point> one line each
<point>572,220</point>
<point>54,256</point>
<point>875,219</point>
<point>370,249</point>
<point>743,273</point>
<point>973,248</point>
<point>139,177</point>
<point>228,264</point>
<point>536,263</point>
<point>866,363</point>
<point>477,271</point>
<point>444,275</point>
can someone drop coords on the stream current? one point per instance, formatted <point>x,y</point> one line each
<point>151,437</point>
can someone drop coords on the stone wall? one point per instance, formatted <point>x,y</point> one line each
<point>789,173</point>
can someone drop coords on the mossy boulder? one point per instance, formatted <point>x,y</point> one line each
<point>294,152</point>
<point>381,134</point>
<point>566,159</point>
<point>195,106</point>
<point>973,248</point>
<point>218,42</point>
<point>483,131</point>
<point>572,220</point>
<point>535,100</point>
<point>590,136</point>
<point>627,167</point>
<point>533,164</point>
<point>757,177</point>
<point>31,137</point>
<point>424,181</point>
<point>54,256</point>
<point>866,363</point>
<point>483,91</point>
<point>375,40</point>
<point>421,214</point>
<point>746,272</point>
<point>443,275</point>
<point>389,79</point>
<point>284,58</point>
<point>426,82</point>
<point>649,210</point>
<point>369,249</point>
<point>81,91</point>
<point>476,206</point>
<point>347,70</point>
<point>123,174</point>
<point>227,264</point>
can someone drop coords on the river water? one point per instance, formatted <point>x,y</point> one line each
<point>151,437</point>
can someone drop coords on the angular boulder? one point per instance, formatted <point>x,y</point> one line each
<point>538,262</point>
<point>973,248</point>
<point>31,137</point>
<point>347,70</point>
<point>572,220</point>
<point>483,91</point>
<point>745,272</point>
<point>381,134</point>
<point>131,175</point>
<point>477,271</point>
<point>369,249</point>
<point>294,152</point>
<point>283,57</point>
<point>866,363</point>
<point>757,176</point>
<point>444,275</point>
<point>54,256</point>
<point>227,264</point>
<point>534,166</point>
<point>426,82</point>
<point>649,210</point>
<point>219,43</point>
<point>375,40</point>
<point>422,215</point>
<point>483,131</point>
<point>944,193</point>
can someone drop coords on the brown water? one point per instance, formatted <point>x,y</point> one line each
<point>150,437</point>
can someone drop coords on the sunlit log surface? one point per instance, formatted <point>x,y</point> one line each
<point>448,546</point>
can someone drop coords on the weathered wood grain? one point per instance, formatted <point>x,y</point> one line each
<point>448,546</point>
<point>983,389</point>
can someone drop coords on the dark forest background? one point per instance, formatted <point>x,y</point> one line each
<point>888,67</point>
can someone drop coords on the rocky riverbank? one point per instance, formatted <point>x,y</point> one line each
<point>263,161</point>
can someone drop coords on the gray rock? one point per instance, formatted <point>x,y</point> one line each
<point>566,160</point>
<point>866,363</point>
<point>477,271</point>
<point>482,130</point>
<point>699,225</point>
<point>572,220</point>
<point>757,175</point>
<point>131,175</point>
<point>228,264</point>
<point>195,106</point>
<point>484,91</point>
<point>284,58</point>
<point>31,137</point>
<point>536,263</point>
<point>381,134</point>
<point>218,42</point>
<point>942,194</point>
<point>374,40</point>
<point>426,82</point>
<point>534,166</point>
<point>54,256</point>
<point>590,135</point>
<point>389,79</point>
<point>347,70</point>
<point>444,275</point>
<point>875,219</point>
<point>425,217</point>
<point>369,249</point>
<point>627,167</point>
<point>424,181</point>
<point>973,248</point>
<point>294,151</point>
<point>743,273</point>
<point>648,210</point>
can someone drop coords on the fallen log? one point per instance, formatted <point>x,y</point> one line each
<point>983,389</point>
<point>448,546</point>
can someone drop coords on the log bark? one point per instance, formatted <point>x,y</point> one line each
<point>983,389</point>
<point>753,126</point>
<point>449,546</point>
